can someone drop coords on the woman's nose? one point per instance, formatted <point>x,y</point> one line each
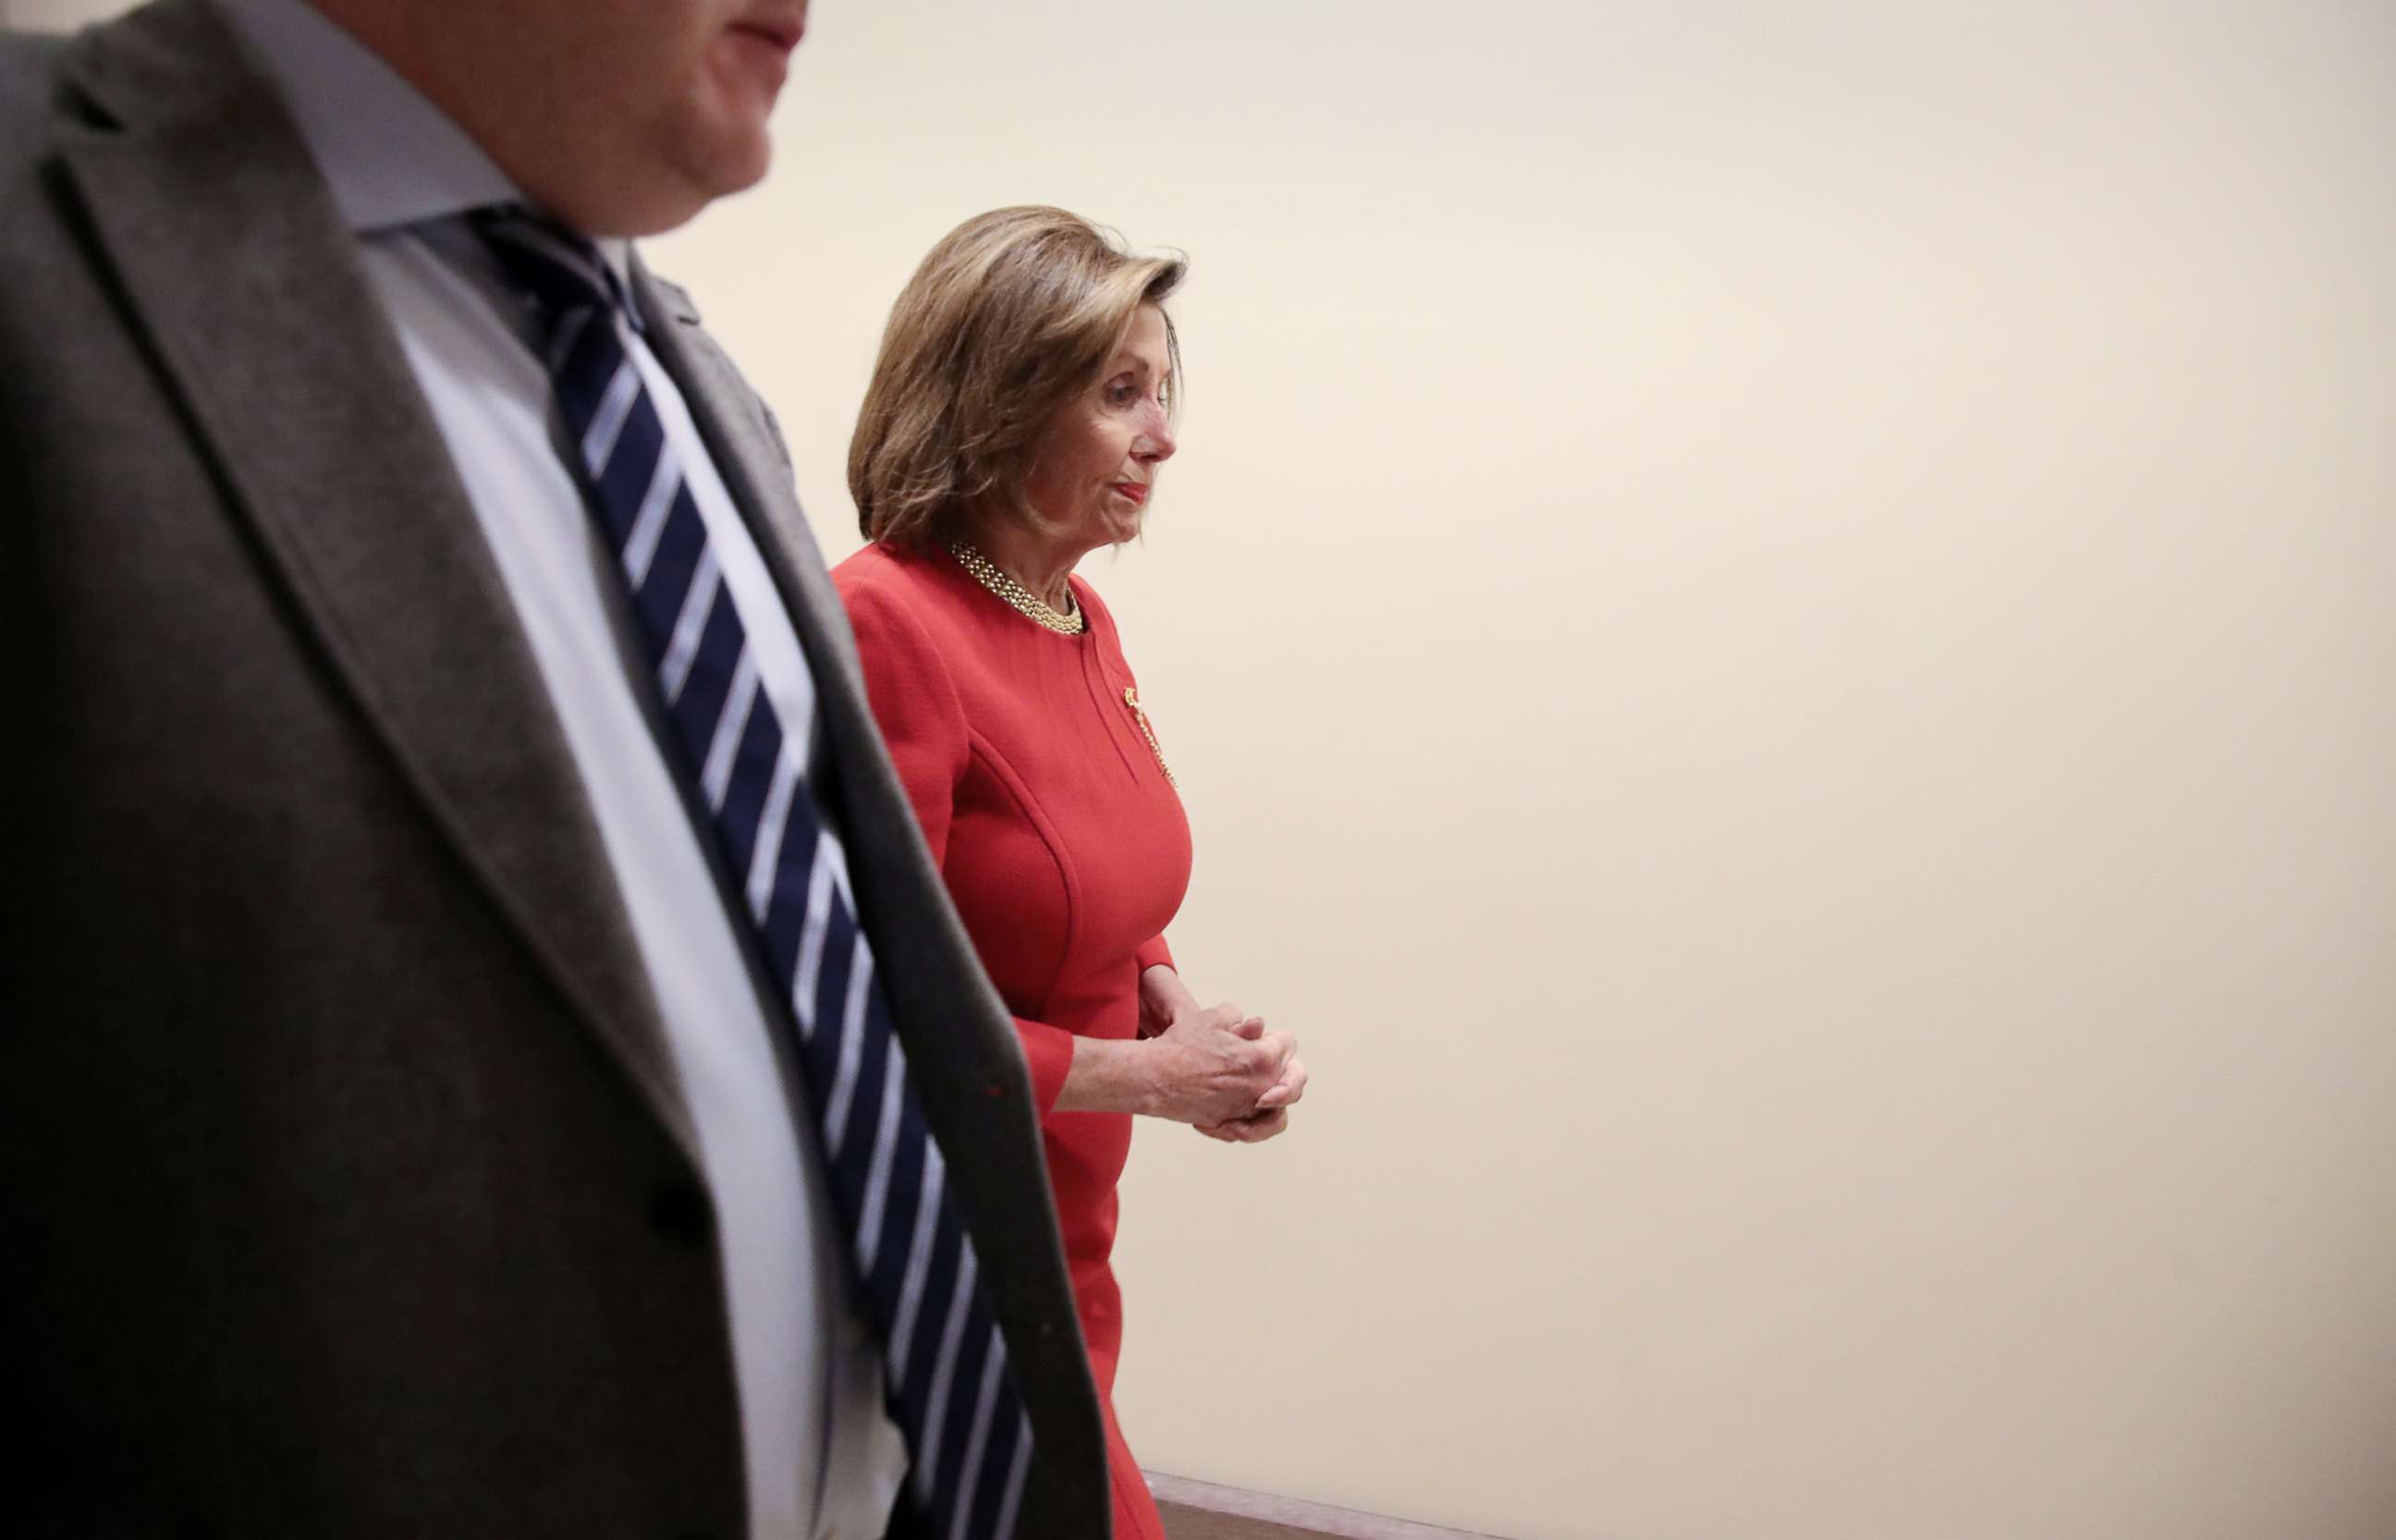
<point>1158,443</point>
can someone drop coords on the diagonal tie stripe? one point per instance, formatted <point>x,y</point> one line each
<point>948,1383</point>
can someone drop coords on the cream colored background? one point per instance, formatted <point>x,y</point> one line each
<point>1776,620</point>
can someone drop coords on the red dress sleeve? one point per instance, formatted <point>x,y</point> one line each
<point>923,726</point>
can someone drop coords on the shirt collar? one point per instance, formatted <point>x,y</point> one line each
<point>389,155</point>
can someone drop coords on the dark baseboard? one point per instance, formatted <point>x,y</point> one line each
<point>1200,1510</point>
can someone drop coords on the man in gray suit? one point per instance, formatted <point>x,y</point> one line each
<point>406,1105</point>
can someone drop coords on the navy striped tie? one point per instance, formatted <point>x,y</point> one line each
<point>949,1387</point>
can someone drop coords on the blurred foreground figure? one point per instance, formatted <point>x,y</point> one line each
<point>1019,416</point>
<point>482,1048</point>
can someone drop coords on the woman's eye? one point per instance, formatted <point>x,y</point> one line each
<point>1123,392</point>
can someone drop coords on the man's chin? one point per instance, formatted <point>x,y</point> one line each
<point>726,133</point>
<point>694,177</point>
<point>740,163</point>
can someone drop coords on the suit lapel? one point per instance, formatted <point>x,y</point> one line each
<point>237,265</point>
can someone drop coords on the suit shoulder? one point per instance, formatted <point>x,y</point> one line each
<point>888,577</point>
<point>894,605</point>
<point>911,654</point>
<point>29,74</point>
<point>27,63</point>
<point>677,300</point>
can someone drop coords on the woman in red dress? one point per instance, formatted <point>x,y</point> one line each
<point>1017,416</point>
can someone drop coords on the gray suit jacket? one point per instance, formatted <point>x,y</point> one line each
<point>345,1185</point>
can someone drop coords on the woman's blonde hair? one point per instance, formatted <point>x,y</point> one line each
<point>1013,314</point>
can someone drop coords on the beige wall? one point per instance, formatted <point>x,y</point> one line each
<point>56,15</point>
<point>1776,622</point>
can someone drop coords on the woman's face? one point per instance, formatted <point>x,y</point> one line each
<point>1097,466</point>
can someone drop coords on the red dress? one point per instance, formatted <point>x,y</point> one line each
<point>1066,849</point>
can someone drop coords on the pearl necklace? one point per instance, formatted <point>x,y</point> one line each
<point>987,573</point>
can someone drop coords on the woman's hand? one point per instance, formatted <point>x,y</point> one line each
<point>1271,1116</point>
<point>1215,1069</point>
<point>1217,1066</point>
<point>1162,999</point>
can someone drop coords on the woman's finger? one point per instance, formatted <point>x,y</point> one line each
<point>1288,1089</point>
<point>1258,1129</point>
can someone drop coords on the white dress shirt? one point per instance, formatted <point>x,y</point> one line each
<point>823,1459</point>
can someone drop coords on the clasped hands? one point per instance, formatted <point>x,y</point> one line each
<point>1214,1068</point>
